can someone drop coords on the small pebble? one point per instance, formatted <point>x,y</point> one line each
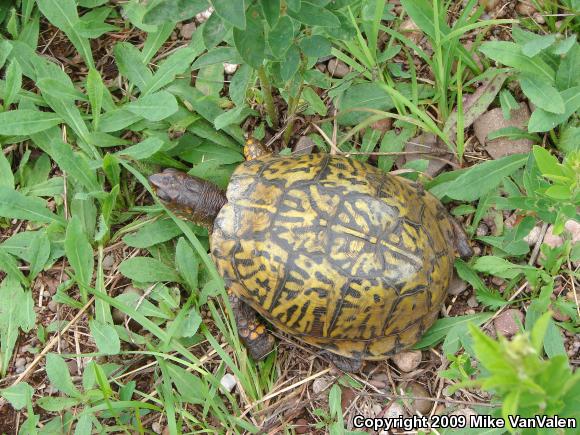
<point>505,323</point>
<point>396,410</point>
<point>532,238</point>
<point>379,380</point>
<point>108,261</point>
<point>472,302</point>
<point>230,68</point>
<point>202,17</point>
<point>228,382</point>
<point>539,18</point>
<point>496,280</point>
<point>525,8</point>
<point>20,362</point>
<point>456,286</point>
<point>301,426</point>
<point>482,230</point>
<point>187,30</point>
<point>423,406</point>
<point>321,384</point>
<point>337,68</point>
<point>156,427</point>
<point>407,361</point>
<point>53,306</point>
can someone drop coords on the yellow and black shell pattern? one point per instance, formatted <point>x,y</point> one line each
<point>335,252</point>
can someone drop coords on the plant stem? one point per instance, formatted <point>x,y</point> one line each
<point>268,99</point>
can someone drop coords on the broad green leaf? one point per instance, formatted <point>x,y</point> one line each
<point>63,14</point>
<point>6,175</point>
<point>537,44</point>
<point>60,89</point>
<point>442,326</point>
<point>250,42</point>
<point>567,75</point>
<point>315,103</point>
<point>281,37</point>
<point>59,376</point>
<point>16,312</point>
<point>26,122</point>
<point>214,31</point>
<point>210,79</point>
<point>232,11</point>
<point>547,163</point>
<point>484,177</point>
<point>541,120</point>
<point>143,149</point>
<point>152,233</point>
<point>174,11</point>
<point>95,91</point>
<point>217,55</point>
<point>314,15</point>
<point>75,165</point>
<point>130,63</point>
<point>271,10</point>
<point>57,404</point>
<point>40,250</point>
<point>316,46</point>
<point>191,387</point>
<point>290,66</point>
<point>190,325</point>
<point>234,116</point>
<point>508,103</point>
<point>18,395</point>
<point>13,83</point>
<point>145,269</point>
<point>187,263</point>
<point>497,266</point>
<point>510,54</point>
<point>15,205</point>
<point>79,251</point>
<point>105,337</point>
<point>542,94</point>
<point>9,265</point>
<point>175,64</point>
<point>154,107</point>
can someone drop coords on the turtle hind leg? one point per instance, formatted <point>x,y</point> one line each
<point>251,330</point>
<point>343,363</point>
<point>460,240</point>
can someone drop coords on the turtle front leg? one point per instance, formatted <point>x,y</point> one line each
<point>343,363</point>
<point>461,241</point>
<point>251,330</point>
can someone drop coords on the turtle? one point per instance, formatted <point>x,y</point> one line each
<point>326,248</point>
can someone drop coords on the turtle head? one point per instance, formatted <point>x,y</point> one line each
<point>254,149</point>
<point>190,197</point>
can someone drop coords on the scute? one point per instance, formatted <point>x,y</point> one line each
<point>335,252</point>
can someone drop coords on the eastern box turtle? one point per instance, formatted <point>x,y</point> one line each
<point>326,248</point>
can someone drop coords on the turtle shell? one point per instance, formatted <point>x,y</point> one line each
<point>335,252</point>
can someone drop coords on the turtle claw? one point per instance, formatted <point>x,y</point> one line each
<point>348,365</point>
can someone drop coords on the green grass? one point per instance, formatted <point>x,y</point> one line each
<point>95,97</point>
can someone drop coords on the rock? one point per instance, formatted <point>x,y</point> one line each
<point>379,380</point>
<point>301,426</point>
<point>396,410</point>
<point>467,412</point>
<point>506,325</point>
<point>456,286</point>
<point>202,17</point>
<point>52,306</point>
<point>496,280</point>
<point>321,384</point>
<point>482,230</point>
<point>337,68</point>
<point>156,427</point>
<point>539,18</point>
<point>230,68</point>
<point>525,8</point>
<point>571,230</point>
<point>411,30</point>
<point>228,381</point>
<point>428,143</point>
<point>407,361</point>
<point>187,30</point>
<point>305,145</point>
<point>472,302</point>
<point>532,238</point>
<point>423,406</point>
<point>19,363</point>
<point>108,261</point>
<point>559,316</point>
<point>489,5</point>
<point>492,121</point>
<point>347,396</point>
<point>383,125</point>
